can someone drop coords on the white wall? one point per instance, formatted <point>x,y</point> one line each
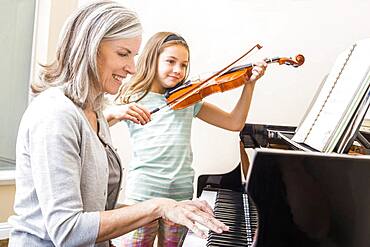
<point>218,31</point>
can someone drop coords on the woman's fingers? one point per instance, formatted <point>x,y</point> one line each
<point>195,229</point>
<point>203,205</point>
<point>195,215</point>
<point>198,218</point>
<point>201,212</point>
<point>209,221</point>
<point>189,220</point>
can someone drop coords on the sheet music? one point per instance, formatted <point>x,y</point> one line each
<point>355,123</point>
<point>338,99</point>
<point>310,118</point>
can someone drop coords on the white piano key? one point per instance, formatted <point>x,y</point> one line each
<point>191,239</point>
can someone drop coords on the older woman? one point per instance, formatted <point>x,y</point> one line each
<point>68,175</point>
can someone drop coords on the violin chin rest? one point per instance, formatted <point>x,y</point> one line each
<point>179,86</point>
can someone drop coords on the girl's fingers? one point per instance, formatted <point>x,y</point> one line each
<point>132,118</point>
<point>258,70</point>
<point>137,116</point>
<point>140,112</point>
<point>145,111</point>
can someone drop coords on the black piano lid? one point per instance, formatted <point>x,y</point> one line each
<point>310,199</point>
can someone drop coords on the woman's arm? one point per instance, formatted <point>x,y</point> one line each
<point>53,144</point>
<point>117,222</point>
<point>54,147</point>
<point>234,120</point>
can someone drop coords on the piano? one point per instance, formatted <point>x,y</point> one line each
<point>290,197</point>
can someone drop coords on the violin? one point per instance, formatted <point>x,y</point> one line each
<point>191,92</point>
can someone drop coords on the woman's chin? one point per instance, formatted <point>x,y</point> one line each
<point>112,91</point>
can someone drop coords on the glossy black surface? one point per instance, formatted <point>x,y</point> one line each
<point>307,199</point>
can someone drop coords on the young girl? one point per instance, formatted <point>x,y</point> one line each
<point>162,155</point>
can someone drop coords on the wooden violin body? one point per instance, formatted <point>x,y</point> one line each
<point>192,92</point>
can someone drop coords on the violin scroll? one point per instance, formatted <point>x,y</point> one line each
<point>299,60</point>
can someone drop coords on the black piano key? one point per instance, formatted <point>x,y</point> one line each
<point>224,244</point>
<point>233,209</point>
<point>227,243</point>
<point>228,237</point>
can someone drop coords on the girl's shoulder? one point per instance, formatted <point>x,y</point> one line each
<point>148,98</point>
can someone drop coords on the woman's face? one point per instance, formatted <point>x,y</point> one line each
<point>172,64</point>
<point>115,61</point>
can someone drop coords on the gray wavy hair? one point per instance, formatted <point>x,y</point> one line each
<point>75,67</point>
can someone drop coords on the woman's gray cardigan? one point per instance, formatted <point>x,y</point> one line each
<point>62,175</point>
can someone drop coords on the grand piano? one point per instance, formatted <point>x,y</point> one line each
<point>290,198</point>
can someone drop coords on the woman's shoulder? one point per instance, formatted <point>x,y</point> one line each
<point>53,104</point>
<point>53,97</point>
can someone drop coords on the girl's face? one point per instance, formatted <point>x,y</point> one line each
<point>115,61</point>
<point>172,64</point>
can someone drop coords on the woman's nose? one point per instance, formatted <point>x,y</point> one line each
<point>130,67</point>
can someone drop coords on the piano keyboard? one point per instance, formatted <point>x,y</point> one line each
<point>235,210</point>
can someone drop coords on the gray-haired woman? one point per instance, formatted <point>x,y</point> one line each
<point>68,175</point>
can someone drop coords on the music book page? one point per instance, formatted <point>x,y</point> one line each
<point>354,125</point>
<point>338,99</point>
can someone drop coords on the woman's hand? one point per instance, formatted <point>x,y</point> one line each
<point>258,71</point>
<point>133,112</point>
<point>190,212</point>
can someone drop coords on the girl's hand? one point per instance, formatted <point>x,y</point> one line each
<point>190,212</point>
<point>133,112</point>
<point>258,71</point>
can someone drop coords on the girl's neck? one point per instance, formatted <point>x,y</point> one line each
<point>155,88</point>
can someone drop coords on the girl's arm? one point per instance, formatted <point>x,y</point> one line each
<point>235,119</point>
<point>117,222</point>
<point>133,112</point>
